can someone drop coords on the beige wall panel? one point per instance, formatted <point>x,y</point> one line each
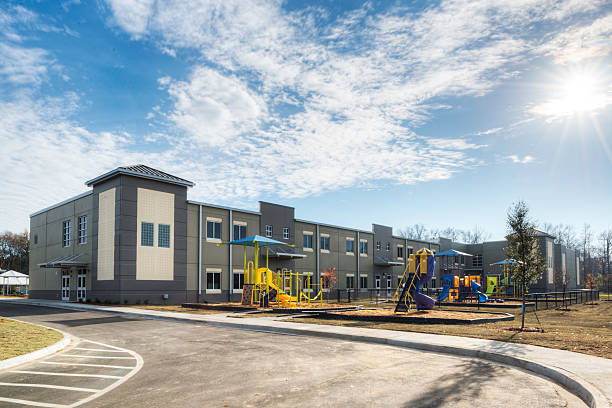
<point>106,235</point>
<point>154,263</point>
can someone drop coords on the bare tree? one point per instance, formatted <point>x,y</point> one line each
<point>474,236</point>
<point>585,244</point>
<point>416,231</point>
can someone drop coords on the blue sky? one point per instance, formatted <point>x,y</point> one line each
<point>440,113</point>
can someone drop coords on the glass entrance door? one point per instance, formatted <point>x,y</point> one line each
<point>66,286</point>
<point>81,294</point>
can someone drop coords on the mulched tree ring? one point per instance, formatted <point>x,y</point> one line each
<point>526,329</point>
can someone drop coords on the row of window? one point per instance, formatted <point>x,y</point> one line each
<point>213,230</point>
<point>324,244</point>
<point>379,246</point>
<point>67,231</point>
<point>147,235</point>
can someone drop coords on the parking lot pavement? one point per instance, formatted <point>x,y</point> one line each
<point>71,378</point>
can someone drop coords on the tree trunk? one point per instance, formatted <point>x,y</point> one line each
<point>523,312</point>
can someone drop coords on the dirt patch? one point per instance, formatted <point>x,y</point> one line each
<point>435,313</point>
<point>526,329</point>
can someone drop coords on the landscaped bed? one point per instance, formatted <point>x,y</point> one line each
<point>587,329</point>
<point>17,338</point>
<point>435,316</point>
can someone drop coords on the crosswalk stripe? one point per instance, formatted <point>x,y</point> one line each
<point>67,374</point>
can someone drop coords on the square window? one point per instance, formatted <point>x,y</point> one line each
<point>146,234</point>
<point>213,280</point>
<point>213,229</point>
<point>285,233</point>
<point>163,236</point>
<point>239,231</point>
<point>363,282</point>
<point>325,243</point>
<point>350,246</point>
<point>66,227</point>
<point>307,241</point>
<point>238,281</point>
<point>269,231</point>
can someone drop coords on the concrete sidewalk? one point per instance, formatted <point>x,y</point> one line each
<point>588,377</point>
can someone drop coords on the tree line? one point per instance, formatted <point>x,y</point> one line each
<point>14,251</point>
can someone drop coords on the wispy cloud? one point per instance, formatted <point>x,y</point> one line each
<point>517,159</point>
<point>489,131</point>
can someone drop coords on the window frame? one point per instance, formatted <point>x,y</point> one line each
<point>305,241</point>
<point>378,245</point>
<point>212,273</point>
<point>159,236</point>
<point>237,273</point>
<point>142,234</point>
<point>324,238</point>
<point>82,229</point>
<point>400,252</point>
<point>240,227</point>
<point>363,278</point>
<point>214,223</point>
<point>351,250</point>
<point>66,232</point>
<point>363,247</point>
<point>269,231</point>
<point>285,232</point>
<point>377,282</point>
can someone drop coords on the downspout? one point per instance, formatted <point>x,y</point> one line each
<point>230,290</point>
<point>200,256</point>
<point>358,255</point>
<point>318,252</point>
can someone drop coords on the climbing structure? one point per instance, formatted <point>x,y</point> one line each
<point>420,268</point>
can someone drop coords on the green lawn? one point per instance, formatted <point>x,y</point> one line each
<point>17,338</point>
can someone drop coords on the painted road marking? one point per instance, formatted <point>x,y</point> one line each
<point>58,387</point>
<point>87,365</point>
<point>95,393</point>
<point>67,374</point>
<point>105,357</point>
<point>95,349</point>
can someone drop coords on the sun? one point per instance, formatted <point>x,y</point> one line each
<point>577,92</point>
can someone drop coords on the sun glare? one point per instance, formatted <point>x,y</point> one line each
<point>575,93</point>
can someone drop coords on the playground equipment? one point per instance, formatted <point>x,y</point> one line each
<point>504,285</point>
<point>420,268</point>
<point>262,285</point>
<point>462,289</point>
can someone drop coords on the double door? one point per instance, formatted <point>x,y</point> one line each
<point>66,286</point>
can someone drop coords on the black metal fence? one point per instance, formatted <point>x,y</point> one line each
<point>549,300</point>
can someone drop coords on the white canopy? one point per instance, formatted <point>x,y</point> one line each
<point>14,278</point>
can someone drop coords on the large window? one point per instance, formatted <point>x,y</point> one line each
<point>350,282</point>
<point>213,229</point>
<point>146,234</point>
<point>285,233</point>
<point>477,261</point>
<point>324,243</point>
<point>350,246</point>
<point>307,241</point>
<point>388,247</point>
<point>363,247</point>
<point>240,231</point>
<point>400,252</point>
<point>238,280</point>
<point>213,281</point>
<point>83,229</point>
<point>163,236</point>
<point>66,227</point>
<point>269,231</point>
<point>363,282</point>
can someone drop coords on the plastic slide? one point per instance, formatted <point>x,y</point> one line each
<point>482,298</point>
<point>490,290</point>
<point>445,290</point>
<point>423,302</point>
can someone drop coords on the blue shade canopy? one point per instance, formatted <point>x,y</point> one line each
<point>452,252</point>
<point>506,262</point>
<point>250,241</point>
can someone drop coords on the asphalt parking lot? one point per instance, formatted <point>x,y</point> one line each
<point>191,365</point>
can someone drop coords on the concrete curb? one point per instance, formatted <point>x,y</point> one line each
<point>38,354</point>
<point>578,386</point>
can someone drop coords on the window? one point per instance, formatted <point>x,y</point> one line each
<point>377,282</point>
<point>285,233</point>
<point>240,231</point>
<point>146,234</point>
<point>363,247</point>
<point>213,280</point>
<point>83,229</point>
<point>400,252</point>
<point>213,229</point>
<point>388,282</point>
<point>350,246</point>
<point>378,245</point>
<point>66,233</point>
<point>477,261</point>
<point>307,241</point>
<point>462,260</point>
<point>268,231</point>
<point>324,243</point>
<point>163,236</point>
<point>363,282</point>
<point>388,248</point>
<point>410,251</point>
<point>238,280</point>
<point>35,239</point>
<point>350,282</point>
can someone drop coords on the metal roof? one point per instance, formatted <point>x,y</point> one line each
<point>85,194</point>
<point>142,171</point>
<point>64,262</point>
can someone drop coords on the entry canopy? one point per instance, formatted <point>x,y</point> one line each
<point>507,262</point>
<point>255,240</point>
<point>65,262</point>
<point>14,278</point>
<point>452,252</point>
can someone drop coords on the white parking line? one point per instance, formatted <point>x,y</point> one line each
<point>105,357</point>
<point>86,365</point>
<point>59,387</point>
<point>94,349</point>
<point>67,374</point>
<point>31,403</point>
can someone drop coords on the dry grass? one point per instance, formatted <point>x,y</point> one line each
<point>176,308</point>
<point>17,338</point>
<point>584,329</point>
<point>434,314</point>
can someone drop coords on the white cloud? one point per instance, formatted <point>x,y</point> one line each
<point>518,160</point>
<point>489,131</point>
<point>132,15</point>
<point>23,65</point>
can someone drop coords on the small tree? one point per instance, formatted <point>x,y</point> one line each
<point>523,247</point>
